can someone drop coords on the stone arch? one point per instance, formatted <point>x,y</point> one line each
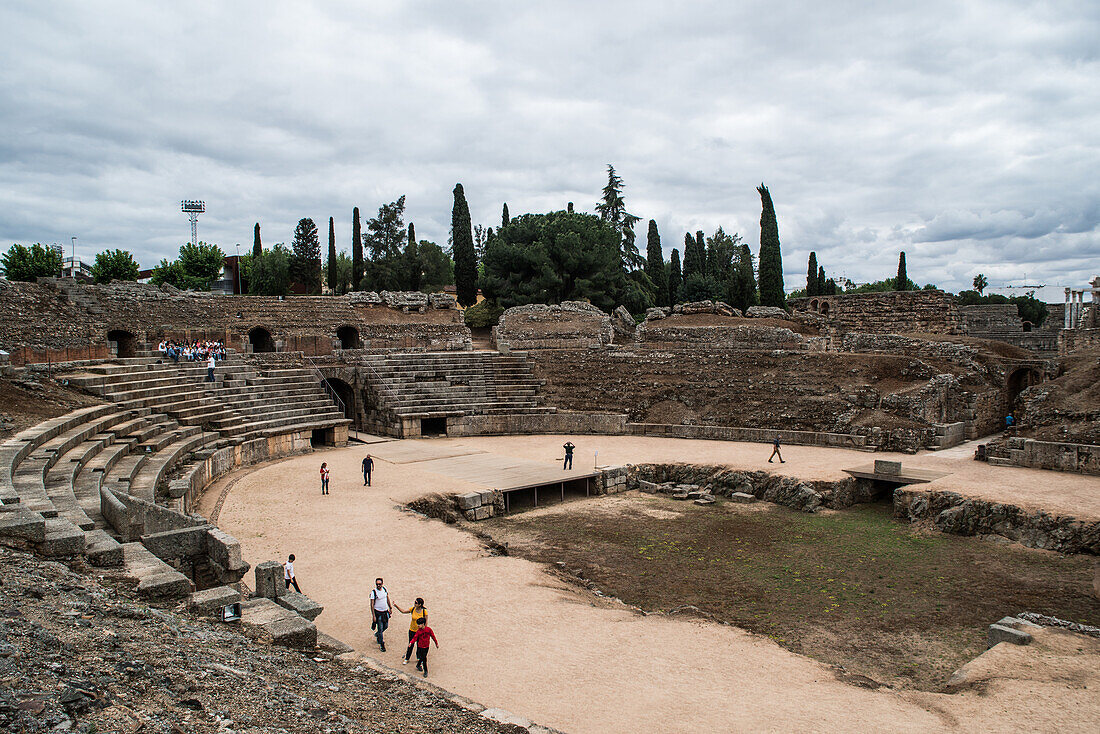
<point>1028,326</point>
<point>824,308</point>
<point>260,339</point>
<point>349,337</point>
<point>1019,380</point>
<point>814,304</point>
<point>125,342</point>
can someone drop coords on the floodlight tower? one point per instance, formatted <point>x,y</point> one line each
<point>193,209</point>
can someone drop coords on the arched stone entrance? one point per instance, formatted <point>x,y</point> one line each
<point>260,339</point>
<point>1019,380</point>
<point>124,342</point>
<point>349,337</point>
<point>346,393</point>
<point>824,308</point>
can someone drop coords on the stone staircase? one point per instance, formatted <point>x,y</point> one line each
<point>442,384</point>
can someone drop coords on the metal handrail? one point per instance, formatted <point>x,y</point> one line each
<point>325,384</point>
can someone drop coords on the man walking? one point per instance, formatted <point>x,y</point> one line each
<point>381,607</point>
<point>368,467</point>
<point>775,451</point>
<point>288,574</point>
<point>568,446</point>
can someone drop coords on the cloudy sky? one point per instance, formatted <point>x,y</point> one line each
<point>965,133</point>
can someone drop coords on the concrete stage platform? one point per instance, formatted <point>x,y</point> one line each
<point>508,474</point>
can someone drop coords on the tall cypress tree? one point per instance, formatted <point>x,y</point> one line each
<point>771,258</point>
<point>331,257</point>
<point>811,277</point>
<point>257,248</point>
<point>412,262</point>
<point>675,277</point>
<point>655,263</point>
<point>701,253</point>
<point>691,264</point>
<point>901,283</point>
<point>821,281</point>
<point>504,219</point>
<point>462,249</point>
<point>746,279</point>
<point>356,250</point>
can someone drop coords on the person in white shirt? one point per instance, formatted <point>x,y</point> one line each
<point>210,364</point>
<point>381,608</point>
<point>288,574</point>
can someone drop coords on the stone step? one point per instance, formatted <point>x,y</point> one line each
<point>101,549</point>
<point>22,524</point>
<point>155,578</point>
<point>63,538</point>
<point>283,626</point>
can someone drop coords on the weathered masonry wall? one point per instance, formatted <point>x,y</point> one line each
<point>60,320</point>
<point>571,324</point>
<point>1054,455</point>
<point>893,312</point>
<point>1002,322</point>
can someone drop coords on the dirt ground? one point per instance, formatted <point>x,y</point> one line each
<point>29,400</point>
<point>1068,409</point>
<point>853,588</point>
<point>515,636</point>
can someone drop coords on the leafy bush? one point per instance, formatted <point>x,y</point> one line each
<point>483,315</point>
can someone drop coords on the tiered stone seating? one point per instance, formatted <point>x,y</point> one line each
<point>436,384</point>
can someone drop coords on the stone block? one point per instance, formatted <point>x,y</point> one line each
<point>269,580</point>
<point>469,501</point>
<point>742,497</point>
<point>301,604</point>
<point>648,487</point>
<point>706,499</point>
<point>178,488</point>
<point>62,539</point>
<point>101,549</point>
<point>488,497</point>
<point>332,645</point>
<point>1000,633</point>
<point>766,312</point>
<point>211,601</point>
<point>479,513</point>
<point>679,495</point>
<point>999,461</point>
<point>168,584</point>
<point>23,524</point>
<point>887,467</point>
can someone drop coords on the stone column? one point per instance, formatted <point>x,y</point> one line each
<point>1069,308</point>
<point>269,579</point>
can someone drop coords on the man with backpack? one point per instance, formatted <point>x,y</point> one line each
<point>380,607</point>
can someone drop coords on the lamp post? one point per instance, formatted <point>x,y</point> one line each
<point>238,268</point>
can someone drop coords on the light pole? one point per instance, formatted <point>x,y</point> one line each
<point>72,265</point>
<point>238,268</point>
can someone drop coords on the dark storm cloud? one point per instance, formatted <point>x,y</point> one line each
<point>962,133</point>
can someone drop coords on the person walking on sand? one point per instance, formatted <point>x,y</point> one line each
<point>775,451</point>
<point>418,612</point>
<point>422,637</point>
<point>368,467</point>
<point>324,477</point>
<point>288,574</point>
<point>568,446</point>
<point>381,608</point>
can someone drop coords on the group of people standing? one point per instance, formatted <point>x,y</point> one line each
<point>368,468</point>
<point>420,634</point>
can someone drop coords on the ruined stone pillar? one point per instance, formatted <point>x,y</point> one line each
<point>1069,309</point>
<point>269,579</point>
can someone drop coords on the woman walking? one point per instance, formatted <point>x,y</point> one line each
<point>418,612</point>
<point>324,477</point>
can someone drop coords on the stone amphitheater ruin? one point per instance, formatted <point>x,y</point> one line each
<point>171,498</point>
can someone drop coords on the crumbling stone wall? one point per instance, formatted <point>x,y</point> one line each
<point>1053,455</point>
<point>892,312</point>
<point>1002,322</point>
<point>570,324</point>
<point>60,314</point>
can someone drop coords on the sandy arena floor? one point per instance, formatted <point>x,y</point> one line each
<point>513,636</point>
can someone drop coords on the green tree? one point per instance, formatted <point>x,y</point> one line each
<point>342,274</point>
<point>549,258</point>
<point>504,216</point>
<point>612,209</point>
<point>1028,306</point>
<point>771,257</point>
<point>675,277</point>
<point>741,293</point>
<point>436,267</point>
<point>901,283</point>
<point>28,263</point>
<point>465,257</point>
<point>830,288</point>
<point>699,287</point>
<point>692,265</point>
<point>257,248</point>
<point>412,262</point>
<point>482,315</point>
<point>812,287</point>
<point>270,274</point>
<point>305,260</point>
<point>655,265</point>
<point>356,249</point>
<point>171,273</point>
<point>721,250</point>
<point>114,265</point>
<point>385,239</point>
<point>980,283</point>
<point>821,281</point>
<point>202,264</point>
<point>331,271</point>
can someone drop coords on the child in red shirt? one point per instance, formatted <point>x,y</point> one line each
<point>423,638</point>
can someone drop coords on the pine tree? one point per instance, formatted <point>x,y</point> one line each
<point>811,277</point>
<point>331,267</point>
<point>612,208</point>
<point>820,281</point>
<point>504,219</point>
<point>356,250</point>
<point>305,263</point>
<point>675,277</point>
<point>771,257</point>
<point>569,208</point>
<point>257,248</point>
<point>462,248</point>
<point>901,283</point>
<point>655,264</point>
<point>412,262</point>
